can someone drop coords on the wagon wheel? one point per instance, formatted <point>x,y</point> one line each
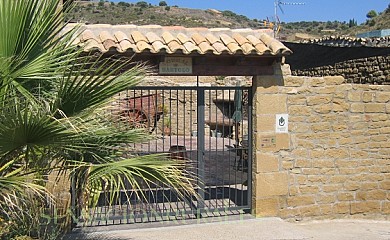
<point>137,118</point>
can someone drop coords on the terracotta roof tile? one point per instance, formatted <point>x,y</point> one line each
<point>152,37</point>
<point>240,39</point>
<point>205,47</point>
<point>138,36</point>
<point>247,48</point>
<point>198,39</point>
<point>175,46</point>
<point>259,45</point>
<point>86,35</point>
<point>212,39</point>
<point>220,48</point>
<point>94,45</point>
<point>191,47</point>
<point>183,38</point>
<point>143,46</point>
<point>168,37</point>
<point>159,46</point>
<point>125,45</point>
<point>120,36</point>
<point>157,39</point>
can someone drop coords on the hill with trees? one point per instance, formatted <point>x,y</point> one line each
<point>143,13</point>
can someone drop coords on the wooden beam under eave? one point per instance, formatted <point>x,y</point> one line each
<point>202,70</point>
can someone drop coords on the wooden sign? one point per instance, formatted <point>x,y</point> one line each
<point>176,66</point>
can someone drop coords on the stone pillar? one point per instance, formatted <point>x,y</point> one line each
<point>270,182</point>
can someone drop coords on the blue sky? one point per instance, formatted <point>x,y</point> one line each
<point>313,10</point>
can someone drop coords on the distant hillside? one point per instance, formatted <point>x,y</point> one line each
<point>350,28</point>
<point>143,13</point>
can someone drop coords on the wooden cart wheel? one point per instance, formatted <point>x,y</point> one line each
<point>137,118</point>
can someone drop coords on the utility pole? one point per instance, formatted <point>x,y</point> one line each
<point>277,4</point>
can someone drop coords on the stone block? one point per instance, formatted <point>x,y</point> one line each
<point>300,201</point>
<point>365,207</point>
<point>326,209</point>
<point>340,105</point>
<point>300,110</point>
<point>293,190</point>
<point>299,127</point>
<point>322,163</point>
<point>346,196</point>
<point>323,108</point>
<point>289,213</point>
<point>267,90</point>
<point>324,90</point>
<point>385,185</point>
<point>283,141</point>
<point>268,81</point>
<point>368,97</point>
<point>357,108</point>
<point>271,104</point>
<point>338,178</point>
<point>303,163</point>
<point>368,186</point>
<point>375,108</point>
<point>334,80</point>
<point>296,100</point>
<point>325,198</point>
<point>341,208</point>
<point>382,97</point>
<point>354,96</point>
<point>309,189</point>
<point>271,184</point>
<point>311,171</point>
<point>339,127</point>
<point>385,208</point>
<point>310,211</point>
<point>317,82</point>
<point>351,186</point>
<point>265,123</point>
<point>273,142</point>
<point>336,153</point>
<point>287,165</point>
<point>320,127</point>
<point>320,179</point>
<point>330,188</point>
<point>318,100</point>
<point>267,207</point>
<point>266,163</point>
<point>293,81</point>
<point>385,130</point>
<point>376,194</point>
<point>298,178</point>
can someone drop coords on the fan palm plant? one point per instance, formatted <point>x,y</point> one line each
<point>52,118</point>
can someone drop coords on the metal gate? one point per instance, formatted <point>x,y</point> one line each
<point>209,126</point>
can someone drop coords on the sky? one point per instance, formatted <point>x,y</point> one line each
<point>313,10</point>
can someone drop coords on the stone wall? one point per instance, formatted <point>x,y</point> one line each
<point>335,160</point>
<point>372,70</point>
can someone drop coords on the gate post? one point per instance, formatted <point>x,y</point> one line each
<point>269,181</point>
<point>200,151</point>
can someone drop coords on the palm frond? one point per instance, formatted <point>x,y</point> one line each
<point>93,84</point>
<point>137,174</point>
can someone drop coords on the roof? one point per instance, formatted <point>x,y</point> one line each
<point>156,39</point>
<point>344,41</point>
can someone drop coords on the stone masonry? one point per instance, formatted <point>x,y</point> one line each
<point>372,70</point>
<point>335,160</point>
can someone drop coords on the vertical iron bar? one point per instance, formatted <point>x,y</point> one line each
<point>250,137</point>
<point>200,143</point>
